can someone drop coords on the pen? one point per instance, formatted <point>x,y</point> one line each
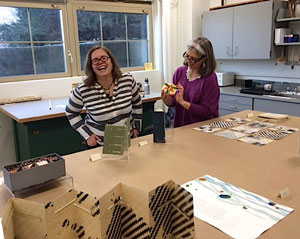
<point>50,107</point>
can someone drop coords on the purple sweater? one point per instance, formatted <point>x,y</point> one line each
<point>202,93</point>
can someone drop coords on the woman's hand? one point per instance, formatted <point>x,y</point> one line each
<point>135,133</point>
<point>179,93</point>
<point>179,97</point>
<point>166,98</point>
<point>92,140</point>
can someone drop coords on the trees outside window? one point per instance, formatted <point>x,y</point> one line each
<point>125,34</point>
<point>31,42</point>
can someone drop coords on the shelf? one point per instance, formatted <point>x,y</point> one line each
<point>236,4</point>
<point>291,19</point>
<point>289,63</point>
<point>288,44</point>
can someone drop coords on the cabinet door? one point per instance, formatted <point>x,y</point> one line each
<point>279,107</point>
<point>223,112</point>
<point>217,27</point>
<point>43,137</point>
<point>252,31</point>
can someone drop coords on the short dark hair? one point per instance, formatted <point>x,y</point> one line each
<point>91,76</point>
<point>209,66</point>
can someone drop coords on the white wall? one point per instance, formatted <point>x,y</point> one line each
<point>197,8</point>
<point>186,18</point>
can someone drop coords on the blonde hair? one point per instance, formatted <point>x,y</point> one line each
<point>91,76</point>
<point>203,47</point>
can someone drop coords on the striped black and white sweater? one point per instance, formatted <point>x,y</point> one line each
<point>101,110</point>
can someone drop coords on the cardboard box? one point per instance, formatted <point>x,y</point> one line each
<point>30,176</point>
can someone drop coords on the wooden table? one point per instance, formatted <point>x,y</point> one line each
<point>39,130</point>
<point>189,154</point>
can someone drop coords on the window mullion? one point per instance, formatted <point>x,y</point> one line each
<point>126,40</point>
<point>101,29</point>
<point>31,41</point>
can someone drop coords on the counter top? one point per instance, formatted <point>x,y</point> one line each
<point>39,110</point>
<point>235,90</point>
<point>189,154</point>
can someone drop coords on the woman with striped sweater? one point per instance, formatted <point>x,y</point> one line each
<point>108,96</point>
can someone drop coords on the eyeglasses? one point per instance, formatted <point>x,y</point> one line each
<point>96,61</point>
<point>193,60</point>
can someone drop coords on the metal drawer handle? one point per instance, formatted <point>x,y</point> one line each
<point>236,51</point>
<point>233,107</point>
<point>235,100</point>
<point>228,51</point>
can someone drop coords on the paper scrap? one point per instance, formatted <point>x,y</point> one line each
<point>207,129</point>
<point>95,157</point>
<point>246,129</point>
<point>1,180</point>
<point>148,66</point>
<point>273,116</point>
<point>143,143</point>
<point>256,140</point>
<point>60,106</point>
<point>41,163</point>
<point>229,134</point>
<point>238,120</point>
<point>284,193</point>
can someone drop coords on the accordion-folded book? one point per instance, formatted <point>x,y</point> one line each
<point>124,212</point>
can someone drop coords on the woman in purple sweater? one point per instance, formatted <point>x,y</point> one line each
<point>197,97</point>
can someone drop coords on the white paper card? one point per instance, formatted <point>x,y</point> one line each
<point>256,140</point>
<point>95,157</point>
<point>246,129</point>
<point>229,134</point>
<point>233,210</point>
<point>207,129</point>
<point>143,143</point>
<point>284,193</point>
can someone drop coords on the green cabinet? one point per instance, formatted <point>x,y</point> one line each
<point>37,138</point>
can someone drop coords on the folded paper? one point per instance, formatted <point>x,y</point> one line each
<point>123,212</point>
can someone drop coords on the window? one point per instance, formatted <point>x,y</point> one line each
<point>31,42</point>
<point>40,40</point>
<point>125,34</point>
<point>125,31</point>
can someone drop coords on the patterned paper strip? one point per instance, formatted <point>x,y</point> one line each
<point>223,124</point>
<point>271,134</point>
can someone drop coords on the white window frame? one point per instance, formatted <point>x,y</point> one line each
<point>102,6</point>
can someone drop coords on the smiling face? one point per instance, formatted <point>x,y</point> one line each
<point>101,63</point>
<point>191,57</point>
